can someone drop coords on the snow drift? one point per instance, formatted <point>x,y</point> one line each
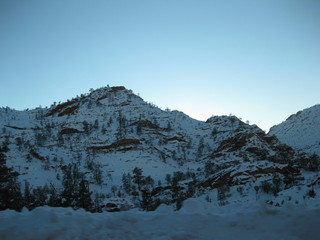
<point>64,223</point>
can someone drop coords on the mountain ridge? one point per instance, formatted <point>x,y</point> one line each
<point>301,130</point>
<point>126,153</point>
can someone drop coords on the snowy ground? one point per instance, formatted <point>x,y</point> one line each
<point>289,222</point>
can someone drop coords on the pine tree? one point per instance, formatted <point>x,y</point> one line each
<point>168,179</point>
<point>277,183</point>
<point>96,124</point>
<point>55,198</point>
<point>126,182</point>
<point>209,168</point>
<point>169,128</point>
<point>266,186</point>
<point>84,196</point>
<point>97,174</point>
<point>191,189</point>
<point>28,197</point>
<point>200,148</point>
<point>222,194</point>
<point>97,203</point>
<point>122,124</point>
<point>139,129</point>
<point>146,200</point>
<point>75,189</point>
<point>137,176</point>
<point>10,192</point>
<point>86,127</point>
<point>69,183</point>
<point>177,196</point>
<point>40,195</point>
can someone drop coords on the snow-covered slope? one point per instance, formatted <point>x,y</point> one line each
<point>129,153</point>
<point>301,130</point>
<point>263,223</point>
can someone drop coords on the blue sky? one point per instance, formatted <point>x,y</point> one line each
<point>258,60</point>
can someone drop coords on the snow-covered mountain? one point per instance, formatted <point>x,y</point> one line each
<point>110,150</point>
<point>301,130</point>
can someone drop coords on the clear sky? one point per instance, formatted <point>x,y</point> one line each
<point>256,59</point>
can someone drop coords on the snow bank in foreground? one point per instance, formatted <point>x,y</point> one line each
<point>64,223</point>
